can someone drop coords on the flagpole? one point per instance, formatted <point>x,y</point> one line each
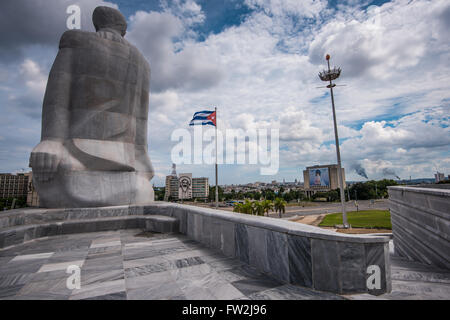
<point>217,186</point>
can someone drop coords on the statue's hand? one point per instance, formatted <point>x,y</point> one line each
<point>45,159</point>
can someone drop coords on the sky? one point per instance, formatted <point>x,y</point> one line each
<point>258,62</point>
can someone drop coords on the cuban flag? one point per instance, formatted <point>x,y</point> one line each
<point>204,118</point>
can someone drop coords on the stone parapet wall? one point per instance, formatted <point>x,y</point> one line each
<point>421,224</point>
<point>291,252</point>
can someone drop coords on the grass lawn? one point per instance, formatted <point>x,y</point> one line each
<point>379,219</point>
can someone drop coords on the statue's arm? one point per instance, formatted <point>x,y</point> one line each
<point>143,163</point>
<point>47,155</point>
<point>55,109</point>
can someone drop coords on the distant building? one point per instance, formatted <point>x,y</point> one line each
<point>14,185</point>
<point>439,177</point>
<point>200,188</point>
<point>171,189</point>
<point>197,188</point>
<point>321,178</point>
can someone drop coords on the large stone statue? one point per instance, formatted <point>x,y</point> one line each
<point>93,149</point>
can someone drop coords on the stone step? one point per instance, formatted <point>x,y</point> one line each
<point>19,234</point>
<point>28,216</point>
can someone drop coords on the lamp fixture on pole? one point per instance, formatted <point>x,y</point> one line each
<point>328,76</point>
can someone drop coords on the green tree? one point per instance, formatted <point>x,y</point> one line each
<point>258,208</point>
<point>267,205</point>
<point>238,207</point>
<point>212,194</point>
<point>246,207</point>
<point>280,206</point>
<point>269,195</point>
<point>371,189</point>
<point>159,193</point>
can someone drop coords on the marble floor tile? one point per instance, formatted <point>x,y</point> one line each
<point>229,276</point>
<point>208,286</point>
<point>209,257</point>
<point>60,265</point>
<point>127,264</point>
<point>98,289</point>
<point>11,291</point>
<point>188,262</point>
<point>92,277</point>
<point>112,296</point>
<point>191,272</point>
<point>220,288</point>
<point>6,259</point>
<point>35,256</point>
<point>50,275</point>
<point>172,250</point>
<point>20,267</point>
<point>137,245</point>
<point>41,296</point>
<point>182,255</point>
<point>250,286</point>
<point>153,279</point>
<point>99,244</point>
<point>15,279</point>
<point>140,254</point>
<point>65,256</point>
<point>225,264</point>
<point>103,263</point>
<point>241,272</point>
<point>290,292</point>
<point>55,287</point>
<point>148,269</point>
<point>105,250</point>
<point>158,291</point>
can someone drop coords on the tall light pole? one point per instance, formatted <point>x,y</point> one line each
<point>330,75</point>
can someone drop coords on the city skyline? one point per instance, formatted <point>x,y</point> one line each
<point>258,61</point>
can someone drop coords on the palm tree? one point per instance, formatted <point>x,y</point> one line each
<point>246,207</point>
<point>238,207</point>
<point>258,208</point>
<point>267,205</point>
<point>280,206</point>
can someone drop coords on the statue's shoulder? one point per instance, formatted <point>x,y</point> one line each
<point>76,39</point>
<point>142,60</point>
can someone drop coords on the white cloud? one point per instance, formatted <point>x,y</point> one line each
<point>188,11</point>
<point>33,77</point>
<point>175,64</point>
<point>304,8</point>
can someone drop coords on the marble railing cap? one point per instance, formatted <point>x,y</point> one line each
<point>433,191</point>
<point>274,224</point>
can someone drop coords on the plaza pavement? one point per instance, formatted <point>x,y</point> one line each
<point>130,264</point>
